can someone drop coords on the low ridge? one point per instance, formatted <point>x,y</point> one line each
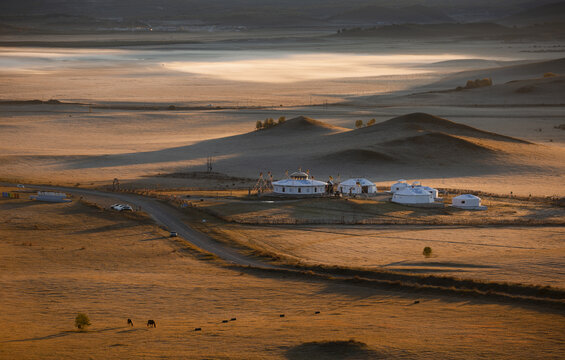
<point>432,123</point>
<point>301,124</point>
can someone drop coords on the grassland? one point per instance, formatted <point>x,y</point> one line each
<point>60,259</point>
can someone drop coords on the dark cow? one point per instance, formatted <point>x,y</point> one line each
<point>151,323</point>
<point>130,323</point>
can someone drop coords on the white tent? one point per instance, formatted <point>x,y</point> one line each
<point>299,184</point>
<point>412,196</point>
<point>467,201</point>
<point>399,185</point>
<point>431,190</point>
<point>357,186</point>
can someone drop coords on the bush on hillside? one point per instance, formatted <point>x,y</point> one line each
<point>82,321</point>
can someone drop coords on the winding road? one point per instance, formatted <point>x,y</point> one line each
<point>170,218</point>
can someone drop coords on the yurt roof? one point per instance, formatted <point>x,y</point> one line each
<point>353,182</point>
<point>293,182</point>
<point>426,188</point>
<point>467,196</point>
<point>413,191</point>
<point>400,183</point>
<point>299,174</point>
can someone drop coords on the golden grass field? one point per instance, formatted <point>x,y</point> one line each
<point>61,259</point>
<point>115,121</point>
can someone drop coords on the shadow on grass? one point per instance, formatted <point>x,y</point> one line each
<point>336,349</point>
<point>63,333</point>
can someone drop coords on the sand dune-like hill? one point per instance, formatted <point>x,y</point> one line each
<point>300,124</point>
<point>532,92</point>
<point>359,156</point>
<point>425,122</point>
<point>504,74</point>
<point>438,140</point>
<point>416,142</point>
<point>540,83</point>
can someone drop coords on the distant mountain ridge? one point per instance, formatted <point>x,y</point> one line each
<point>171,15</point>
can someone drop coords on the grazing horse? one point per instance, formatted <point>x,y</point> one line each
<point>130,323</point>
<point>151,323</point>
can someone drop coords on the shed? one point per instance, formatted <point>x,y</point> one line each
<point>467,201</point>
<point>50,197</point>
<point>357,186</point>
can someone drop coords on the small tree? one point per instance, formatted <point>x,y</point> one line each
<point>82,321</point>
<point>258,125</point>
<point>358,123</point>
<point>269,122</point>
<point>282,119</point>
<point>427,251</point>
<point>371,122</point>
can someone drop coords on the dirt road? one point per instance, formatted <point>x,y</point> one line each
<point>170,218</point>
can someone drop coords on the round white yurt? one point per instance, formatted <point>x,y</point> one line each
<point>357,186</point>
<point>412,196</point>
<point>399,185</point>
<point>467,201</point>
<point>431,190</point>
<point>299,184</point>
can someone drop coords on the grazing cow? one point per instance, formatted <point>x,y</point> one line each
<point>417,302</point>
<point>130,323</point>
<point>197,329</point>
<point>224,321</point>
<point>233,319</point>
<point>151,323</point>
<point>317,312</point>
<point>281,315</point>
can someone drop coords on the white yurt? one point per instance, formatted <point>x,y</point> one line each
<point>399,185</point>
<point>467,201</point>
<point>412,196</point>
<point>431,190</point>
<point>357,186</point>
<point>299,183</point>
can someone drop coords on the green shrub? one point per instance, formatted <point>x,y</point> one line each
<point>82,321</point>
<point>371,122</point>
<point>358,123</point>
<point>269,123</point>
<point>258,125</point>
<point>282,119</point>
<point>473,84</point>
<point>427,251</point>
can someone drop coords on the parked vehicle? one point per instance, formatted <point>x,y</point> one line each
<point>173,234</point>
<point>121,207</point>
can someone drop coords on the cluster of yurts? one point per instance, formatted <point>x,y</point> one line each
<point>300,184</point>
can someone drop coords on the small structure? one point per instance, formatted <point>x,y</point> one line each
<point>299,184</point>
<point>400,185</point>
<point>431,190</point>
<point>50,197</point>
<point>357,186</point>
<point>468,202</point>
<point>413,196</point>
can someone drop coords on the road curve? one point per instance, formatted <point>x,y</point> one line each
<point>171,218</point>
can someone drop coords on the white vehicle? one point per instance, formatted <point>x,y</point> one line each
<point>121,207</point>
